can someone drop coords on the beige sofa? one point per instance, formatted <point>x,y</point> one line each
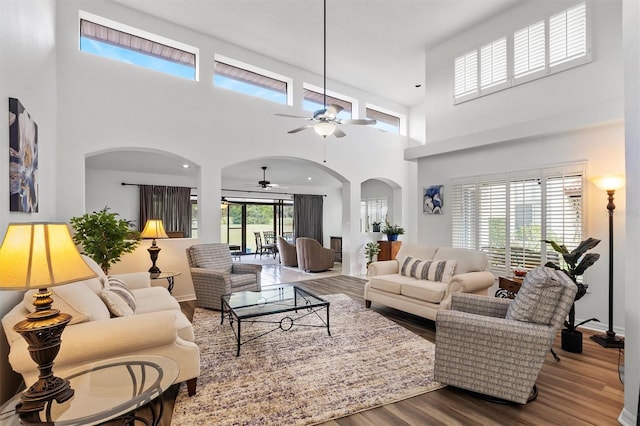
<point>157,327</point>
<point>413,284</point>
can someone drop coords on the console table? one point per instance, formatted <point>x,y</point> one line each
<point>106,390</point>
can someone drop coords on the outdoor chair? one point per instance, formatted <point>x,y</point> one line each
<point>266,248</point>
<point>214,273</point>
<point>495,347</point>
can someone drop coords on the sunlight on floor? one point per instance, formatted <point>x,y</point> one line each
<point>274,273</point>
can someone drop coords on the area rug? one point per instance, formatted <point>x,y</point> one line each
<point>303,376</point>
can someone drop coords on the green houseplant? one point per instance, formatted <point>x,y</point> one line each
<point>104,237</point>
<point>370,250</point>
<point>392,231</point>
<point>577,261</point>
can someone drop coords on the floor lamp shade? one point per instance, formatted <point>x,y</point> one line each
<point>609,184</point>
<point>154,229</point>
<point>37,256</point>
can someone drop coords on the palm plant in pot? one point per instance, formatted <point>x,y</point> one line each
<point>576,261</point>
<point>104,237</point>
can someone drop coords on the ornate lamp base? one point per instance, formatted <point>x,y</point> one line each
<point>153,253</point>
<point>42,330</point>
<point>609,340</point>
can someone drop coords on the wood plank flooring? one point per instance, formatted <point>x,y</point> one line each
<point>581,389</point>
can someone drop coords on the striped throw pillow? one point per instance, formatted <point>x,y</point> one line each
<point>118,298</point>
<point>431,270</point>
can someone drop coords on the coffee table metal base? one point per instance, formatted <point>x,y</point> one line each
<point>302,305</point>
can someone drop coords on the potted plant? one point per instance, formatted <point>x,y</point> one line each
<point>104,237</point>
<point>577,261</point>
<point>375,226</point>
<point>392,231</point>
<point>370,250</point>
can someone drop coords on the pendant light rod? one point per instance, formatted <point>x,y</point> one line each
<point>325,53</point>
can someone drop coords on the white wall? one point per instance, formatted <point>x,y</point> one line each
<point>631,25</point>
<point>27,72</point>
<point>105,104</point>
<point>104,188</point>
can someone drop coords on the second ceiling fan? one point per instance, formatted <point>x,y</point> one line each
<point>325,121</point>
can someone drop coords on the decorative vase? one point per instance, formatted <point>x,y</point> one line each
<point>392,237</point>
<point>572,341</point>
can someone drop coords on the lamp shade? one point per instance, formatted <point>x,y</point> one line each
<point>609,183</point>
<point>324,128</point>
<point>154,229</point>
<point>40,255</point>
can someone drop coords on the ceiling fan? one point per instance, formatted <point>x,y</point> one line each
<point>325,121</point>
<point>264,183</point>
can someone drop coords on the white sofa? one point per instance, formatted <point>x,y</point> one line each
<point>157,327</point>
<point>392,285</point>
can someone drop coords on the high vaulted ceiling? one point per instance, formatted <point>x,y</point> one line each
<point>374,45</point>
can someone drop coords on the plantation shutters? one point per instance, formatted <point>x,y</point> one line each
<point>529,50</point>
<point>466,74</point>
<point>507,216</point>
<point>493,63</point>
<point>568,34</point>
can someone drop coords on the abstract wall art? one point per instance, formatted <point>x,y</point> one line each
<point>23,159</point>
<point>433,199</point>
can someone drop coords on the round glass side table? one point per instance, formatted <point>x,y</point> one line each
<point>106,390</point>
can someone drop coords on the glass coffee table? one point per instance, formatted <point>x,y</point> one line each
<point>254,306</point>
<point>106,390</point>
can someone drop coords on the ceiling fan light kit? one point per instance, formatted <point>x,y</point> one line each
<point>325,121</point>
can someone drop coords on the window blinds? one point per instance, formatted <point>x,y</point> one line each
<point>529,49</point>
<point>568,34</point>
<point>493,63</point>
<point>507,216</point>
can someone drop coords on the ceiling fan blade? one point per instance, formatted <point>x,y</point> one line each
<point>292,116</point>
<point>333,110</point>
<point>339,133</point>
<point>299,129</point>
<point>358,121</point>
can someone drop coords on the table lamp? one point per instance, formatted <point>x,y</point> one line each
<point>154,229</point>
<point>609,184</point>
<point>37,256</point>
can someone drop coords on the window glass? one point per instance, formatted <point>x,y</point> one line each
<point>114,44</point>
<point>387,122</point>
<point>250,83</point>
<point>314,101</point>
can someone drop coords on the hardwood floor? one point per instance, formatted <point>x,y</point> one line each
<point>581,389</point>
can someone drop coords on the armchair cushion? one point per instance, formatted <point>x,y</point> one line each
<point>118,298</point>
<point>538,297</point>
<point>212,256</point>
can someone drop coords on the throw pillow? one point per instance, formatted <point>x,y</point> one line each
<point>538,297</point>
<point>434,270</point>
<point>118,298</point>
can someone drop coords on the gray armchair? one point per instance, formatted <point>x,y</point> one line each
<point>214,274</point>
<point>288,254</point>
<point>495,346</point>
<point>312,257</point>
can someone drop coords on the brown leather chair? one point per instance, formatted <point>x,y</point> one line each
<point>312,257</point>
<point>288,253</point>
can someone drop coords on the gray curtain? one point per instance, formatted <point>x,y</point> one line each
<point>172,204</point>
<point>307,216</point>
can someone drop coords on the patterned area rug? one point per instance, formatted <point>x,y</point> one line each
<point>303,376</point>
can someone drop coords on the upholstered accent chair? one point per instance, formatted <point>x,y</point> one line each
<point>495,346</point>
<point>214,274</point>
<point>312,257</point>
<point>288,254</point>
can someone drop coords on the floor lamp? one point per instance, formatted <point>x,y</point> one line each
<point>609,184</point>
